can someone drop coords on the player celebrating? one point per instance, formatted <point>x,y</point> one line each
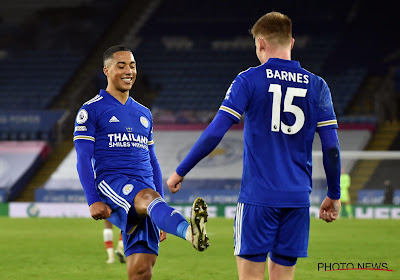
<point>284,106</point>
<point>116,132</point>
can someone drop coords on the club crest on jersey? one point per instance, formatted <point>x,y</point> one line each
<point>127,189</point>
<point>82,116</point>
<point>144,122</point>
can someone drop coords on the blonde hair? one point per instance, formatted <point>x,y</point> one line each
<point>274,27</point>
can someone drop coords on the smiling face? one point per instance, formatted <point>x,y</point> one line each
<point>120,70</point>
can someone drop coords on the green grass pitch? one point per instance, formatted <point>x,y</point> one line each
<point>67,248</point>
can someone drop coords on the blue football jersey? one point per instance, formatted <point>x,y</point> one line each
<point>121,136</point>
<point>284,105</point>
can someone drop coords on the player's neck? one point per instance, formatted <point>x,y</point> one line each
<point>274,51</point>
<point>277,54</point>
<point>121,96</point>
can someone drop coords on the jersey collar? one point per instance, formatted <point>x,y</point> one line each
<point>105,94</point>
<point>280,61</point>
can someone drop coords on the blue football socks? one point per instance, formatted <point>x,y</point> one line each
<point>167,218</point>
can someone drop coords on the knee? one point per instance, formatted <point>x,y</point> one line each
<point>141,273</point>
<point>140,266</point>
<point>143,199</point>
<point>148,195</point>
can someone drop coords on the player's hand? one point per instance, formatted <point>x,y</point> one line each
<point>163,235</point>
<point>329,210</point>
<point>174,182</point>
<point>99,210</point>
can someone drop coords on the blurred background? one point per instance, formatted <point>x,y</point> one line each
<point>187,54</point>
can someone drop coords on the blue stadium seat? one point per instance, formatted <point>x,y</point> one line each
<point>192,57</point>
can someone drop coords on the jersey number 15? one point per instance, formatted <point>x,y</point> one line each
<point>288,107</point>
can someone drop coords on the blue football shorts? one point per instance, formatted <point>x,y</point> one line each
<point>119,193</point>
<point>144,239</point>
<point>259,230</point>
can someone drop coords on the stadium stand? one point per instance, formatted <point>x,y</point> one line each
<point>18,162</point>
<point>43,44</point>
<point>383,184</point>
<point>29,125</point>
<point>203,55</point>
<point>18,11</point>
<point>50,44</point>
<point>45,73</point>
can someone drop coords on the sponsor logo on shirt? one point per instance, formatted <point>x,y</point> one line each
<point>82,116</point>
<point>127,140</point>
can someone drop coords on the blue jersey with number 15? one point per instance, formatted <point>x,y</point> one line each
<point>284,105</point>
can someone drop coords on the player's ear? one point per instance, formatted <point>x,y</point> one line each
<point>105,71</point>
<point>261,44</point>
<point>291,47</point>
